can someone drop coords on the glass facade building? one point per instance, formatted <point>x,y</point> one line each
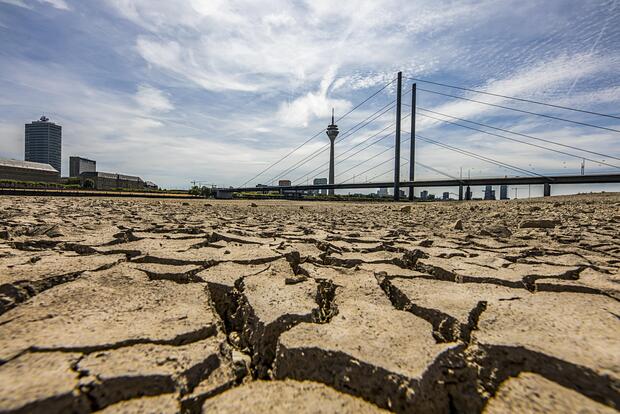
<point>503,192</point>
<point>44,143</point>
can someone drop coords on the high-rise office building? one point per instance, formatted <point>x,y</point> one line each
<point>424,195</point>
<point>446,195</point>
<point>489,193</point>
<point>78,165</point>
<point>503,192</point>
<point>320,181</point>
<point>44,143</point>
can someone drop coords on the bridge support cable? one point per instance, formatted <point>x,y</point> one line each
<point>344,136</point>
<point>412,140</point>
<point>283,158</point>
<point>428,167</point>
<point>380,175</point>
<point>352,148</point>
<point>360,125</point>
<point>319,133</point>
<point>350,156</point>
<point>581,157</point>
<point>371,168</point>
<point>366,100</point>
<point>521,134</point>
<point>386,172</point>
<point>349,150</point>
<point>521,110</point>
<point>480,157</point>
<point>515,99</point>
<point>417,163</point>
<point>371,158</point>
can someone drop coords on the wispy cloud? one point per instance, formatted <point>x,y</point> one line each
<point>57,4</point>
<point>217,89</point>
<point>152,99</point>
<point>313,104</point>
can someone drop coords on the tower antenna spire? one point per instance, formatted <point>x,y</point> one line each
<point>332,133</point>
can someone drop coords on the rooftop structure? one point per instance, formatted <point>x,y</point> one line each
<point>110,181</point>
<point>17,170</point>
<point>78,165</point>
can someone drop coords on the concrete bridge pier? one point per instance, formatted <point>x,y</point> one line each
<point>547,190</point>
<point>461,192</point>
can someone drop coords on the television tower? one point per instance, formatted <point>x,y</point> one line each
<point>332,133</point>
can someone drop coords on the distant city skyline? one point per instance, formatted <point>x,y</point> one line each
<point>216,91</point>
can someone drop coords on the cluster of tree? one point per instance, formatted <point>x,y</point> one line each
<point>203,191</point>
<point>35,184</point>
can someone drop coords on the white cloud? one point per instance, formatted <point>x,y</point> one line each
<point>313,104</point>
<point>240,45</point>
<point>57,4</point>
<point>239,83</point>
<point>152,99</point>
<point>11,140</point>
<point>18,3</point>
<point>536,82</point>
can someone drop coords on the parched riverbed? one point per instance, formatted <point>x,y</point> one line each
<point>140,305</point>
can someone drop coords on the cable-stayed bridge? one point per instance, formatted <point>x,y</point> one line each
<point>291,178</point>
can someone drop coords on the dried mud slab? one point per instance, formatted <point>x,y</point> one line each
<point>453,309</point>
<point>569,338</point>
<point>259,306</point>
<point>39,267</point>
<point>163,404</point>
<point>23,276</point>
<point>205,256</point>
<point>368,348</point>
<point>147,369</point>
<point>530,393</point>
<point>286,397</point>
<point>486,268</point>
<point>138,305</point>
<point>41,383</point>
<point>175,273</point>
<point>105,310</point>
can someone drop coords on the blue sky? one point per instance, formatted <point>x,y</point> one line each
<point>216,90</point>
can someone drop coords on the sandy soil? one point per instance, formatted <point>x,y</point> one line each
<point>133,305</point>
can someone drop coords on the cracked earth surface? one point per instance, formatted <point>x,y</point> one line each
<point>134,306</point>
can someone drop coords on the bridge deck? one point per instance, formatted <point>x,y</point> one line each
<point>559,179</point>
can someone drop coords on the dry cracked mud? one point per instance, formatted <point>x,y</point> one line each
<point>134,306</point>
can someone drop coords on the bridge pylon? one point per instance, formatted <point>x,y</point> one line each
<point>399,88</point>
